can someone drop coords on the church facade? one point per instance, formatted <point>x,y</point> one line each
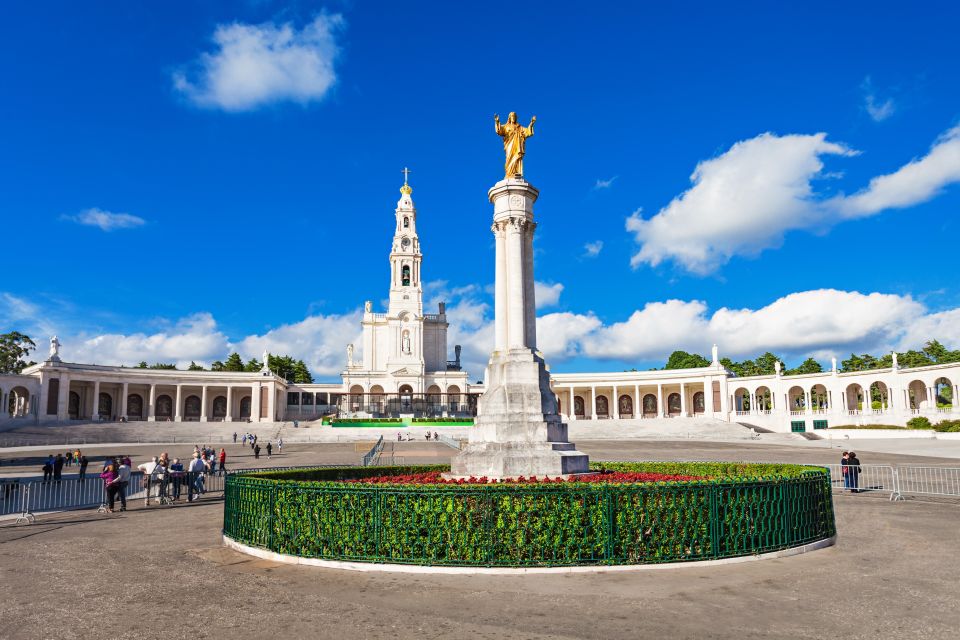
<point>404,368</point>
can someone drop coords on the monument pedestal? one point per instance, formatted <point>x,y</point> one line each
<point>518,431</point>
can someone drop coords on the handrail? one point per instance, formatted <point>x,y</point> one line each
<point>371,455</point>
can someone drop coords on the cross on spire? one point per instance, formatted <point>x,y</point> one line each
<point>406,173</point>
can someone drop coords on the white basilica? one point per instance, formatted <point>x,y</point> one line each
<point>403,370</point>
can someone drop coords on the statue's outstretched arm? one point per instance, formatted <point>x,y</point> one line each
<point>529,130</point>
<point>496,123</point>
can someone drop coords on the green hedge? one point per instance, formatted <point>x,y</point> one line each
<point>743,509</point>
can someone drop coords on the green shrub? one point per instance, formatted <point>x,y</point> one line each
<point>947,426</point>
<point>920,422</point>
<point>869,426</point>
<point>742,509</point>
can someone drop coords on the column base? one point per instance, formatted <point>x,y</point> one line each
<point>151,418</point>
<point>178,419</point>
<point>203,419</point>
<point>227,419</point>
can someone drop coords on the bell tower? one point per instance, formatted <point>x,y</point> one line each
<point>406,289</point>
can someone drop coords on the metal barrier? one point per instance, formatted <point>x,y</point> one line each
<point>929,480</point>
<point>370,457</point>
<point>453,443</point>
<point>865,478</point>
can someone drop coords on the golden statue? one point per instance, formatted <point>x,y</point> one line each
<point>514,142</point>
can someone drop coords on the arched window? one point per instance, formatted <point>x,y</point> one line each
<point>673,404</point>
<point>626,406</point>
<point>603,408</point>
<point>164,408</point>
<point>698,404</point>
<point>219,407</point>
<point>245,407</point>
<point>578,406</point>
<point>135,406</point>
<point>405,275</point>
<point>105,405</point>
<point>191,408</point>
<point>649,405</point>
<point>73,406</point>
<point>406,222</point>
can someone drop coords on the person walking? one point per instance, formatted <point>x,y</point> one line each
<point>109,477</point>
<point>234,437</point>
<point>148,468</point>
<point>280,445</point>
<point>68,458</point>
<point>223,461</point>
<point>269,449</point>
<point>162,478</point>
<point>47,469</point>
<point>196,470</point>
<point>58,468</point>
<point>256,452</point>
<point>853,464</point>
<point>83,467</point>
<point>176,477</point>
<point>244,440</point>
<point>123,481</point>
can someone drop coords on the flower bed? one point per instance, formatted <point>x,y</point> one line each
<point>634,517</point>
<point>436,477</point>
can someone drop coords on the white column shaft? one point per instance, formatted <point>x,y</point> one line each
<point>95,410</point>
<point>616,403</point>
<point>178,411</point>
<point>229,416</point>
<point>123,401</point>
<point>517,315</point>
<point>500,288</point>
<point>529,299</point>
<point>152,407</point>
<point>660,408</point>
<point>204,406</point>
<point>683,399</point>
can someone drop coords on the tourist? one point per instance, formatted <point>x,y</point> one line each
<point>399,437</point>
<point>110,484</point>
<point>269,449</point>
<point>845,469</point>
<point>58,468</point>
<point>223,461</point>
<point>280,445</point>
<point>244,440</point>
<point>83,467</point>
<point>68,458</point>
<point>256,452</point>
<point>436,436</point>
<point>76,455</point>
<point>234,437</point>
<point>123,481</point>
<point>853,466</point>
<point>176,477</point>
<point>47,469</point>
<point>428,435</point>
<point>148,468</point>
<point>196,469</point>
<point>161,478</point>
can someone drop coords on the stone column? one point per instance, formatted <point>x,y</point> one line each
<point>593,402</point>
<point>178,411</point>
<point>516,315</point>
<point>63,401</point>
<point>807,406</point>
<point>683,399</point>
<point>637,402</point>
<point>152,407</point>
<point>572,405</point>
<point>255,403</point>
<point>271,403</point>
<point>529,295</point>
<point>203,403</point>
<point>660,408</point>
<point>229,416</point>
<point>708,398</point>
<point>95,409</point>
<point>123,400</point>
<point>616,404</point>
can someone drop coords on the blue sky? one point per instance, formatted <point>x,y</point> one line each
<point>182,179</point>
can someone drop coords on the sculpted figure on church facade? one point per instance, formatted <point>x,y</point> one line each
<point>514,142</point>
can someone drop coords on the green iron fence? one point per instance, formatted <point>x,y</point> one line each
<point>529,525</point>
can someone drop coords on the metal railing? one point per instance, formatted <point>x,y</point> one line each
<point>370,457</point>
<point>865,478</point>
<point>898,481</point>
<point>929,480</point>
<point>453,443</point>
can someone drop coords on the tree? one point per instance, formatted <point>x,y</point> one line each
<point>684,360</point>
<point>142,365</point>
<point>14,348</point>
<point>807,366</point>
<point>194,367</point>
<point>234,363</point>
<point>301,375</point>
<point>253,366</point>
<point>160,365</point>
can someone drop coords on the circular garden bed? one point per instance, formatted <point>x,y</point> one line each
<point>625,513</point>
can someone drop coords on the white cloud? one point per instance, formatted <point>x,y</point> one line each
<point>745,200</point>
<point>593,249</point>
<point>878,110</point>
<point>320,341</point>
<point>604,184</point>
<point>915,182</point>
<point>547,295</point>
<point>194,337</point>
<point>255,65</point>
<point>106,220</point>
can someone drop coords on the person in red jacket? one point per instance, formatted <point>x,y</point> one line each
<point>223,461</point>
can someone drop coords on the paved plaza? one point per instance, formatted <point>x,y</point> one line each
<point>162,571</point>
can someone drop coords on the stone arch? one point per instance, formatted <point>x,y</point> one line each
<point>18,403</point>
<point>135,406</point>
<point>741,399</point>
<point>819,398</point>
<point>164,407</point>
<point>763,398</point>
<point>602,406</point>
<point>797,399</point>
<point>245,403</point>
<point>453,397</point>
<point>856,398</point>
<point>943,392</point>
<point>879,394</point>
<point>192,407</point>
<point>699,402</point>
<point>406,390</point>
<point>220,408</point>
<point>649,406</point>
<point>578,409</point>
<point>673,404</point>
<point>405,275</point>
<point>625,406</point>
<point>105,405</point>
<point>406,222</point>
<point>73,405</point>
<point>917,395</point>
<point>355,399</point>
